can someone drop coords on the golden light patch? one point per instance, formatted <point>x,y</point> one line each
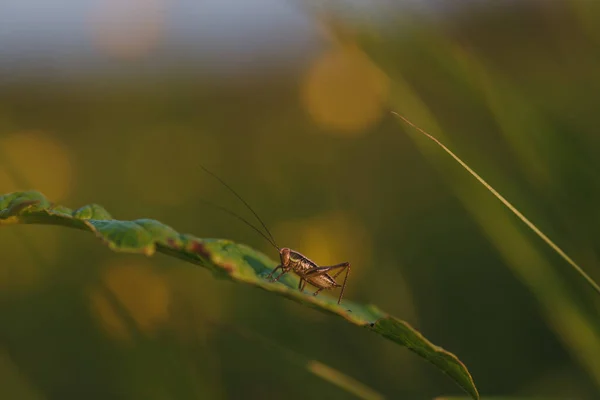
<point>163,165</point>
<point>35,160</point>
<point>344,92</point>
<point>135,292</point>
<point>128,29</point>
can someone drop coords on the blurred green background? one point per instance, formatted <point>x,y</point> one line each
<point>117,103</point>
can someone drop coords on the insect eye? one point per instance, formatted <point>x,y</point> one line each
<point>285,255</point>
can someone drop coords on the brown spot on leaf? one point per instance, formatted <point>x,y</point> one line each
<point>198,248</point>
<point>228,267</point>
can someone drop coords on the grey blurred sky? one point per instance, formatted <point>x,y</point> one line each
<point>56,37</point>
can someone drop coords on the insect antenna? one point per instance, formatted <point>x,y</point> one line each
<point>233,214</point>
<point>270,239</point>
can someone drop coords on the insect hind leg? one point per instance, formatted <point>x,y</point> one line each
<point>345,280</point>
<point>323,270</point>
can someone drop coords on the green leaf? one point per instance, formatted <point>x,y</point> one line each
<point>226,260</point>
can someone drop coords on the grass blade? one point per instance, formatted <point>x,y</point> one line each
<point>508,205</point>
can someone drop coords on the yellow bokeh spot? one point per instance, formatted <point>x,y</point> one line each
<point>135,292</point>
<point>35,160</point>
<point>163,165</point>
<point>128,29</point>
<point>344,91</point>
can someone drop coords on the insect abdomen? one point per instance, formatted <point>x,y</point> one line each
<point>321,281</point>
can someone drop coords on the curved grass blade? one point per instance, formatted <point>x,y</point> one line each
<point>226,260</point>
<point>508,205</point>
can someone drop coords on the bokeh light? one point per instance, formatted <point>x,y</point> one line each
<point>344,92</point>
<point>133,291</point>
<point>128,29</point>
<point>36,160</point>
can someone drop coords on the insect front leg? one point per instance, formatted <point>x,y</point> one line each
<point>275,270</point>
<point>284,271</point>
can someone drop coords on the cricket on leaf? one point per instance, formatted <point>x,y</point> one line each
<point>309,272</point>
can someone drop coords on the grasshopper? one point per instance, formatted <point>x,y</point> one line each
<point>291,260</point>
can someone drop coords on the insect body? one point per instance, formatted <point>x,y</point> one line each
<point>310,272</point>
<point>291,260</point>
